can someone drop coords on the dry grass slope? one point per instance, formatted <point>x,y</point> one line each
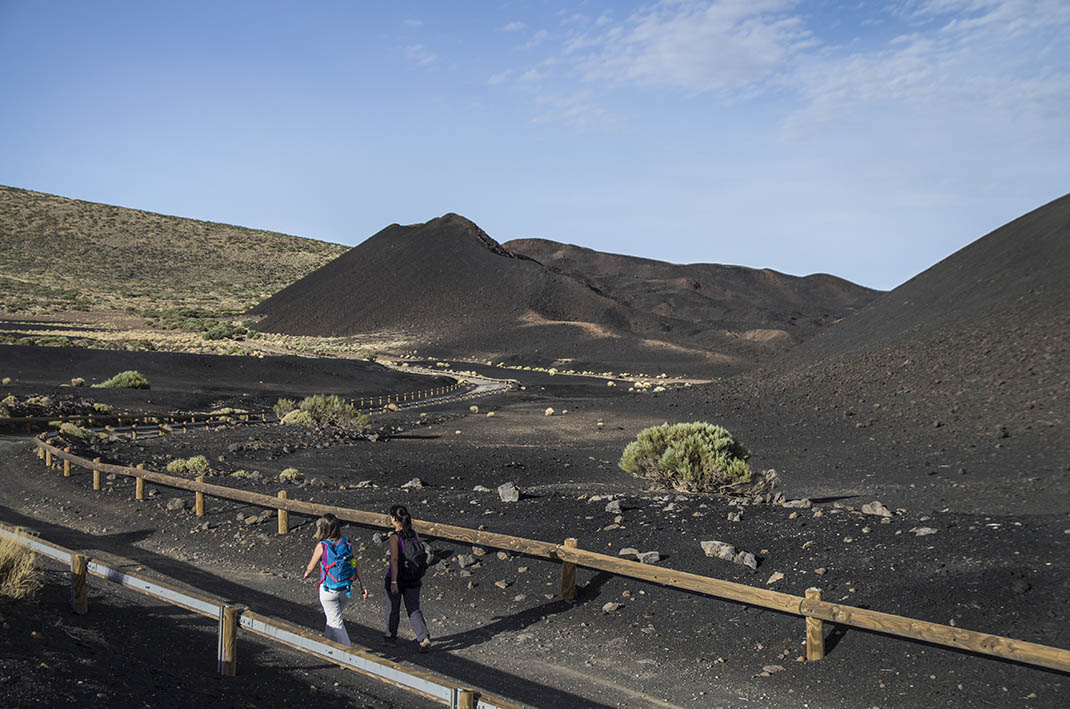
<point>65,254</point>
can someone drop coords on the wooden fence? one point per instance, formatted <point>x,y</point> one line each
<point>231,616</point>
<point>811,607</point>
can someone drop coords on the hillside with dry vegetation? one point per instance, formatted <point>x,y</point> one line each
<point>59,254</point>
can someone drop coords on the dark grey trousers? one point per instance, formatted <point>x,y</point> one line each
<point>411,596</point>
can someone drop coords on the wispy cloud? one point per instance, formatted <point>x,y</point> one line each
<point>414,22</point>
<point>536,39</point>
<point>500,78</point>
<point>577,109</point>
<point>514,27</point>
<point>420,54</point>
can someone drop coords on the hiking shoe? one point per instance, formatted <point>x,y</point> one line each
<point>425,645</point>
<point>390,640</point>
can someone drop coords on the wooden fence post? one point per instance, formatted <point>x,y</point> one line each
<point>568,574</point>
<point>198,499</point>
<point>133,431</point>
<point>48,459</point>
<point>228,641</point>
<point>815,632</point>
<point>66,464</point>
<point>96,475</point>
<point>139,484</point>
<point>284,515</point>
<point>79,590</point>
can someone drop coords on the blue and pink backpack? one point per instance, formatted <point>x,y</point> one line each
<point>337,565</point>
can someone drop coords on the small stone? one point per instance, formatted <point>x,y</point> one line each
<point>176,503</point>
<point>612,607</point>
<point>480,488</point>
<point>519,597</point>
<point>628,551</point>
<point>502,584</point>
<point>793,515</point>
<point>378,538</point>
<point>479,551</point>
<point>649,557</point>
<point>466,560</point>
<point>804,503</point>
<point>415,482</point>
<point>549,411</point>
<point>735,516</point>
<point>719,550</point>
<point>774,578</point>
<point>773,668</point>
<point>876,508</point>
<point>251,520</point>
<point>503,556</point>
<point>821,571</point>
<point>521,569</point>
<point>508,492</point>
<point>747,559</point>
<point>613,507</point>
<point>924,531</point>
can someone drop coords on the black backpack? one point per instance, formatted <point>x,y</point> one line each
<point>412,561</point>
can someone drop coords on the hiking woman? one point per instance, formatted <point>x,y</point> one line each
<point>403,579</point>
<point>338,569</point>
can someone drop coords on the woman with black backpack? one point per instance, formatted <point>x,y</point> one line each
<point>408,561</point>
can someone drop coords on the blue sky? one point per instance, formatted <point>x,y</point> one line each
<point>867,140</point>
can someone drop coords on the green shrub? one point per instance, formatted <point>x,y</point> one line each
<point>9,400</point>
<point>20,577</point>
<point>77,382</point>
<point>284,406</point>
<point>291,475</point>
<point>694,457</point>
<point>297,416</point>
<point>73,430</point>
<point>178,465</point>
<point>129,379</point>
<point>4,413</point>
<point>101,408</point>
<point>198,465</point>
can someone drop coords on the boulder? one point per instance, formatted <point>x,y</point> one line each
<point>747,559</point>
<point>509,492</point>
<point>876,508</point>
<point>719,550</point>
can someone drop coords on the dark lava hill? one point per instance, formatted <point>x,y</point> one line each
<point>968,362</point>
<point>757,304</point>
<point>447,286</point>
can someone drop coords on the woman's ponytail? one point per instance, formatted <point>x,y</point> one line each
<point>402,515</point>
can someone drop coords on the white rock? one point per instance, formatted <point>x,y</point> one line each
<point>613,507</point>
<point>774,578</point>
<point>719,550</point>
<point>509,492</point>
<point>800,504</point>
<point>611,607</point>
<point>480,488</point>
<point>747,559</point>
<point>549,411</point>
<point>876,508</point>
<point>415,482</point>
<point>924,531</point>
<point>628,551</point>
<point>649,557</point>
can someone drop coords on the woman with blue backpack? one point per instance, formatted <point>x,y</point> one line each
<point>338,570</point>
<point>408,562</point>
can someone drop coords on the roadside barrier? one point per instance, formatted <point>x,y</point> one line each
<point>811,607</point>
<point>231,616</point>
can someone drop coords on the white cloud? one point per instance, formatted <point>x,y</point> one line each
<point>576,109</point>
<point>532,75</point>
<point>500,78</point>
<point>514,27</point>
<point>537,39</point>
<point>413,23</point>
<point>698,46</point>
<point>420,54</point>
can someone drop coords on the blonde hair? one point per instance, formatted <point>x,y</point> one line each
<point>328,527</point>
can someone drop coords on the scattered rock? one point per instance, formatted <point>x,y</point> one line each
<point>747,559</point>
<point>378,538</point>
<point>876,508</point>
<point>821,571</point>
<point>719,550</point>
<point>735,516</point>
<point>804,503</point>
<point>628,551</point>
<point>773,668</point>
<point>549,411</point>
<point>479,551</point>
<point>613,507</point>
<point>176,503</point>
<point>774,578</point>
<point>466,560</point>
<point>649,557</point>
<point>502,584</point>
<point>415,482</point>
<point>924,531</point>
<point>612,607</point>
<point>480,488</point>
<point>503,556</point>
<point>508,492</point>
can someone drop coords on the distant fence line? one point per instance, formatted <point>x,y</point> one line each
<point>231,616</point>
<point>811,607</point>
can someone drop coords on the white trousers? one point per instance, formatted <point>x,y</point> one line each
<point>334,602</point>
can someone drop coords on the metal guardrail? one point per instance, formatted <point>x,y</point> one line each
<point>415,680</point>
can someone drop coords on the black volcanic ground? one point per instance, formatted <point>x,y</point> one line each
<point>447,285</point>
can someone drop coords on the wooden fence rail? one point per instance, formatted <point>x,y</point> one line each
<point>570,554</point>
<point>232,616</point>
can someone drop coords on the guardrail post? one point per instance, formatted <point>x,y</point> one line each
<point>284,515</point>
<point>198,499</point>
<point>79,590</point>
<point>815,632</point>
<point>227,652</point>
<point>466,699</point>
<point>96,475</point>
<point>133,431</point>
<point>568,573</point>
<point>66,464</point>
<point>184,429</point>
<point>139,484</point>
